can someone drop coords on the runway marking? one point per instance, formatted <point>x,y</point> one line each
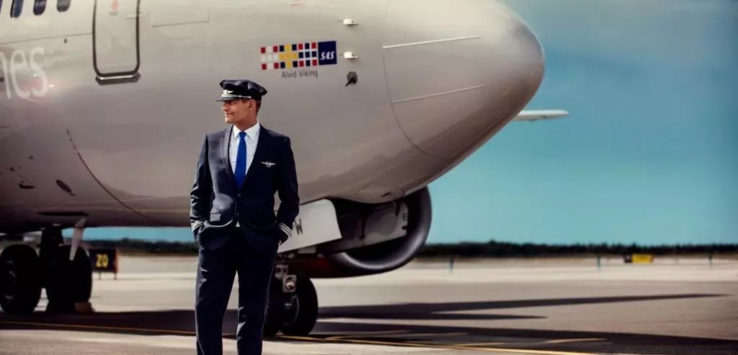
<point>358,334</point>
<point>563,341</point>
<point>94,327</point>
<point>440,346</point>
<point>390,333</point>
<point>528,351</point>
<point>480,344</point>
<point>553,341</point>
<point>435,334</point>
<point>315,339</point>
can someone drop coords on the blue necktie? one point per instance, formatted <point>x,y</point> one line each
<point>241,160</point>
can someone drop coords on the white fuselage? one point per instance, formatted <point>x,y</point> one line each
<point>77,138</point>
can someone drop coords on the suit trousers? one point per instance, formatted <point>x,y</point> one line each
<point>215,273</point>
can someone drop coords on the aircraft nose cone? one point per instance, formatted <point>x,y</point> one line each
<point>457,71</point>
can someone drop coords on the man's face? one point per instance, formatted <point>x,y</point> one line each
<point>240,112</point>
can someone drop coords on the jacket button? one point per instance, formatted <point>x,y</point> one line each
<point>239,194</point>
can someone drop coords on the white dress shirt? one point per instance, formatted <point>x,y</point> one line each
<point>252,138</point>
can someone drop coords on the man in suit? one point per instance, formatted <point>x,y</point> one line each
<point>232,215</point>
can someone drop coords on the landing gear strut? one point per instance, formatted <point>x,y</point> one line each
<point>293,304</point>
<point>68,282</point>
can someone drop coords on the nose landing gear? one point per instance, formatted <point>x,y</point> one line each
<point>293,304</point>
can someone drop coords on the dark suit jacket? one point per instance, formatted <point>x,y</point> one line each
<point>216,204</point>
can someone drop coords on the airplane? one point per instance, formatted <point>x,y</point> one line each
<point>104,104</point>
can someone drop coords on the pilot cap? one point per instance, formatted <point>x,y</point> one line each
<point>241,89</point>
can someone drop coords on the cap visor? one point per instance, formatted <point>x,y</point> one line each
<point>231,98</point>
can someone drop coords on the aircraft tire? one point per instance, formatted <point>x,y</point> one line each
<point>302,315</point>
<point>69,281</point>
<point>275,309</point>
<point>20,279</point>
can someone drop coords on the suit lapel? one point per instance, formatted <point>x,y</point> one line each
<point>225,143</point>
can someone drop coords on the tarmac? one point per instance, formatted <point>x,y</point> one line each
<point>484,306</point>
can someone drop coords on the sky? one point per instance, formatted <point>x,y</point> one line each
<point>648,155</point>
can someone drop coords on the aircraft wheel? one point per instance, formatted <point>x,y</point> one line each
<point>20,279</point>
<point>275,309</point>
<point>69,281</point>
<point>301,308</point>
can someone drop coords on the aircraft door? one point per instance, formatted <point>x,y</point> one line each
<point>116,41</point>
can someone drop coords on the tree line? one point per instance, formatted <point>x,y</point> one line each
<point>494,248</point>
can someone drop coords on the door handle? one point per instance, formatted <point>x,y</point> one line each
<point>117,79</point>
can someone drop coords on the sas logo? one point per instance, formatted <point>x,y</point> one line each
<point>298,55</point>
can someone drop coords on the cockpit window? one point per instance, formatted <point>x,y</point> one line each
<point>16,8</point>
<point>63,5</point>
<point>39,6</point>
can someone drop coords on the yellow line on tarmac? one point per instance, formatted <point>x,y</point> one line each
<point>370,333</point>
<point>531,351</point>
<point>315,339</point>
<point>480,344</point>
<point>440,346</point>
<point>553,341</point>
<point>390,334</point>
<point>99,327</point>
<point>562,341</point>
<point>435,334</point>
<point>373,342</point>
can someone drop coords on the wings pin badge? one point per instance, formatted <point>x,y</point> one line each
<point>268,164</point>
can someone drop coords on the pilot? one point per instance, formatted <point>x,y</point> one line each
<point>233,221</point>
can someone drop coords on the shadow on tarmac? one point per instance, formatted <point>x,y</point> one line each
<point>428,310</point>
<point>181,322</point>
